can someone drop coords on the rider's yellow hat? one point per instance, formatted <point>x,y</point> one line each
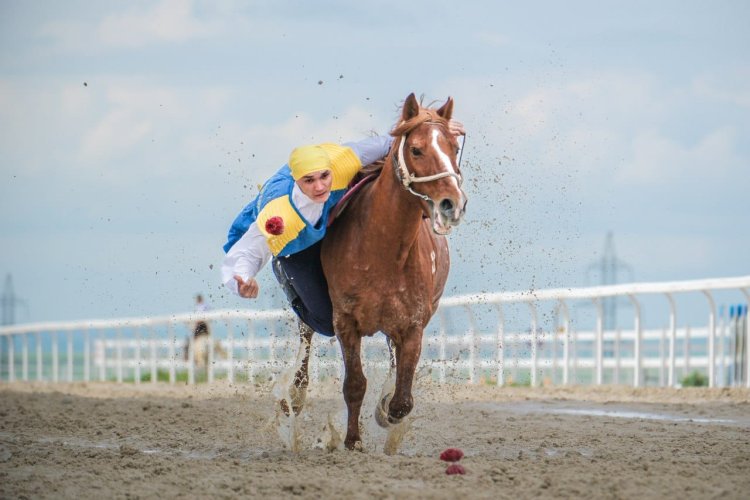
<point>305,160</point>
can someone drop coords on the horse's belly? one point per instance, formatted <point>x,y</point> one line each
<point>396,313</point>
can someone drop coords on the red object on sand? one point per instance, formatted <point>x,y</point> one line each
<point>455,469</point>
<point>275,225</point>
<point>451,455</point>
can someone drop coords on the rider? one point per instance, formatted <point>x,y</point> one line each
<point>287,222</point>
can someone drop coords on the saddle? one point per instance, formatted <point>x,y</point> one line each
<point>364,177</point>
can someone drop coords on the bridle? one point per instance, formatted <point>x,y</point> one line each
<point>407,178</point>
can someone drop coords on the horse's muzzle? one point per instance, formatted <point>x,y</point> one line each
<point>448,213</point>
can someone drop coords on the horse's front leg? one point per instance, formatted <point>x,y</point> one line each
<point>355,385</point>
<point>407,358</point>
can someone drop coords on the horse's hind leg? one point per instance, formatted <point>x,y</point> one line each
<point>298,389</point>
<point>355,385</point>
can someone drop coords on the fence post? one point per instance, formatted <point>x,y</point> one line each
<point>637,341</point>
<point>618,355</point>
<point>70,356</point>
<point>191,358</point>
<point>39,373</point>
<point>55,358</point>
<point>746,293</point>
<point>534,326</point>
<point>86,355</point>
<point>118,351</point>
<point>711,339</point>
<point>25,359</point>
<point>566,342</point>
<point>11,359</point>
<point>210,360</point>
<point>472,346</point>
<point>686,349</point>
<point>153,346</point>
<point>672,339</point>
<point>599,343</point>
<point>250,347</point>
<point>500,345</point>
<point>137,370</point>
<point>230,351</point>
<point>443,335</point>
<point>103,365</point>
<point>662,357</point>
<point>723,378</point>
<point>172,336</point>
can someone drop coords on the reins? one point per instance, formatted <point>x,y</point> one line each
<point>407,178</point>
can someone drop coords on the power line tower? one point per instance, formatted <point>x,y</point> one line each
<point>9,301</point>
<point>608,268</point>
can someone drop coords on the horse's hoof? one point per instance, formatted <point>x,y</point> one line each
<point>381,414</point>
<point>355,446</point>
<point>298,395</point>
<point>394,420</point>
<point>397,414</point>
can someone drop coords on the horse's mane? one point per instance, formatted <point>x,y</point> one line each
<point>401,128</point>
<point>424,115</point>
<point>372,168</point>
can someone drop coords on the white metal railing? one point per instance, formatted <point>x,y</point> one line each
<point>556,353</point>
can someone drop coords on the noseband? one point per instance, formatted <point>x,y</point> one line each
<point>407,178</point>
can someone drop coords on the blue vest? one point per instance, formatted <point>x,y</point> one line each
<point>275,200</point>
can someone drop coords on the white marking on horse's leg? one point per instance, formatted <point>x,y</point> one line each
<point>432,256</point>
<point>396,435</point>
<point>286,421</point>
<point>386,393</point>
<point>444,158</point>
<point>331,438</point>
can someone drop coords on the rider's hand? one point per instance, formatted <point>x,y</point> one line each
<point>248,289</point>
<point>456,128</point>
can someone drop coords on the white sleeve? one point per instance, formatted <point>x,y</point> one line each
<point>371,149</point>
<point>246,258</point>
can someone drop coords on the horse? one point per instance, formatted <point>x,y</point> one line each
<point>386,257</point>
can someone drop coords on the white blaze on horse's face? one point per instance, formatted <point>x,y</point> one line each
<point>448,211</point>
<point>444,159</point>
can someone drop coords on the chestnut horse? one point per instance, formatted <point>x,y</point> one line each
<point>386,257</point>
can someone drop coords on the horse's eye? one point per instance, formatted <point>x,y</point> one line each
<point>416,151</point>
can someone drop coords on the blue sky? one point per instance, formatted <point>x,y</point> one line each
<point>133,132</point>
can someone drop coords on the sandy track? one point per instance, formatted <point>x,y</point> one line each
<point>105,440</point>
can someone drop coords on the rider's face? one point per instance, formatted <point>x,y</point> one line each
<point>317,185</point>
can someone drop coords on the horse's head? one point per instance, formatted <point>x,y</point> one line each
<point>425,158</point>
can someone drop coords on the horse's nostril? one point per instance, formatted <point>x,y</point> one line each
<point>446,206</point>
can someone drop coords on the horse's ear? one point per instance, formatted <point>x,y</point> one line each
<point>446,110</point>
<point>411,108</point>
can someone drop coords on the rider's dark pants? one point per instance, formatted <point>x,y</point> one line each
<point>301,276</point>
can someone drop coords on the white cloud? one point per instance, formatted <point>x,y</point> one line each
<point>611,127</point>
<point>732,89</point>
<point>657,159</point>
<point>169,21</point>
<point>118,131</point>
<point>492,39</point>
<point>668,254</point>
<point>131,112</point>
